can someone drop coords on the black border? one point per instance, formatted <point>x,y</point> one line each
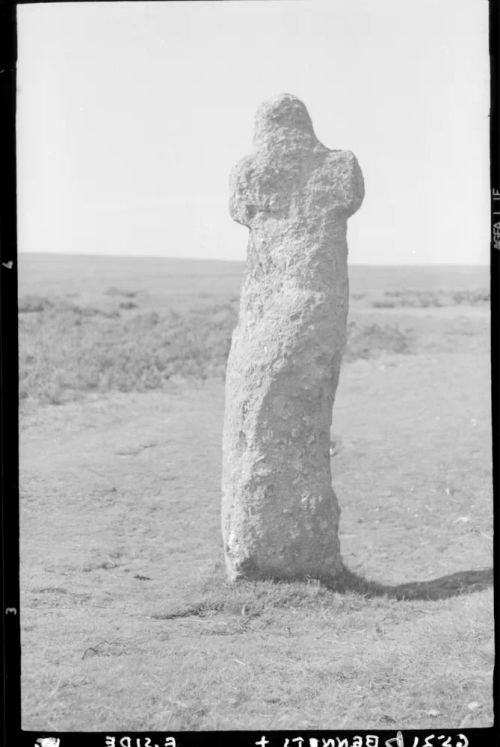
<point>11,681</point>
<point>494,52</point>
<point>11,685</point>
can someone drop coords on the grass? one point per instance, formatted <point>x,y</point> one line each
<point>276,657</point>
<point>128,622</point>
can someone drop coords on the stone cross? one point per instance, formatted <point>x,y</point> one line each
<point>279,512</point>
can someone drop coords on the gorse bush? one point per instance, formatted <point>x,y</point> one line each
<point>431,298</point>
<point>29,304</point>
<point>471,297</point>
<point>416,299</point>
<point>371,340</point>
<point>67,350</point>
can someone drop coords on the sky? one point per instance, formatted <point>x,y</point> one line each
<point>130,116</point>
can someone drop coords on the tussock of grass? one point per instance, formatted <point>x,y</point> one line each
<point>252,599</point>
<point>67,350</point>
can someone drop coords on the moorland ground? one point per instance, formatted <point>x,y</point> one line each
<point>127,621</point>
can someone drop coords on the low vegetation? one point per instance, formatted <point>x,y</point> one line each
<point>67,349</point>
<point>430,298</point>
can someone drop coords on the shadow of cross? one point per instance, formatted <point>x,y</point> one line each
<point>279,512</point>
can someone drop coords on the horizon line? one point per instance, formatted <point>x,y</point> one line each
<point>242,261</point>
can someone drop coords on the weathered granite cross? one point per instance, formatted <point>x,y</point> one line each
<point>279,512</point>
